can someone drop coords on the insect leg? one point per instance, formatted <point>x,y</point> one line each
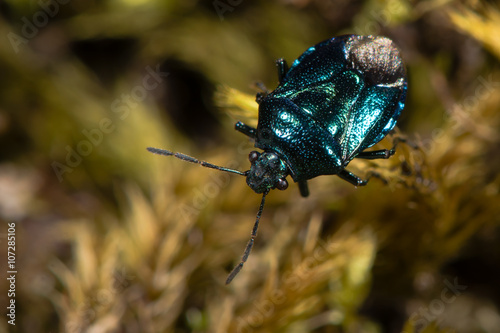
<point>244,258</point>
<point>304,190</point>
<point>245,129</point>
<point>282,68</point>
<point>375,154</point>
<point>351,178</point>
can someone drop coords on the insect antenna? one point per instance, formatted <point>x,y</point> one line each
<point>190,159</point>
<point>244,258</point>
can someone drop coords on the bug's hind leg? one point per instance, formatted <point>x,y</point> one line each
<point>303,188</point>
<point>282,68</point>
<point>245,129</point>
<point>352,178</point>
<point>376,154</point>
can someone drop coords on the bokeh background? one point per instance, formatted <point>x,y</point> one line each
<point>111,238</point>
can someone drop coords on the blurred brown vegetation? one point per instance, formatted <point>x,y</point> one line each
<point>111,238</point>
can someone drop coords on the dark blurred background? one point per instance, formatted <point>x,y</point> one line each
<point>110,238</point>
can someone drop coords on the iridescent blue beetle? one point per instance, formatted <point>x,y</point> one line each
<point>338,98</point>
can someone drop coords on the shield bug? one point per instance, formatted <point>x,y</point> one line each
<point>337,99</point>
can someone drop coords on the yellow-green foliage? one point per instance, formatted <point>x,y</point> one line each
<point>128,241</point>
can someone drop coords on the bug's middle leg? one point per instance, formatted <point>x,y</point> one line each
<point>386,153</point>
<point>303,188</point>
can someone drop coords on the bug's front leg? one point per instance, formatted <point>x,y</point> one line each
<point>282,68</point>
<point>245,129</point>
<point>352,178</point>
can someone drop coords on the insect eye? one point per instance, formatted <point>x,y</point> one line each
<point>282,184</point>
<point>253,156</point>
